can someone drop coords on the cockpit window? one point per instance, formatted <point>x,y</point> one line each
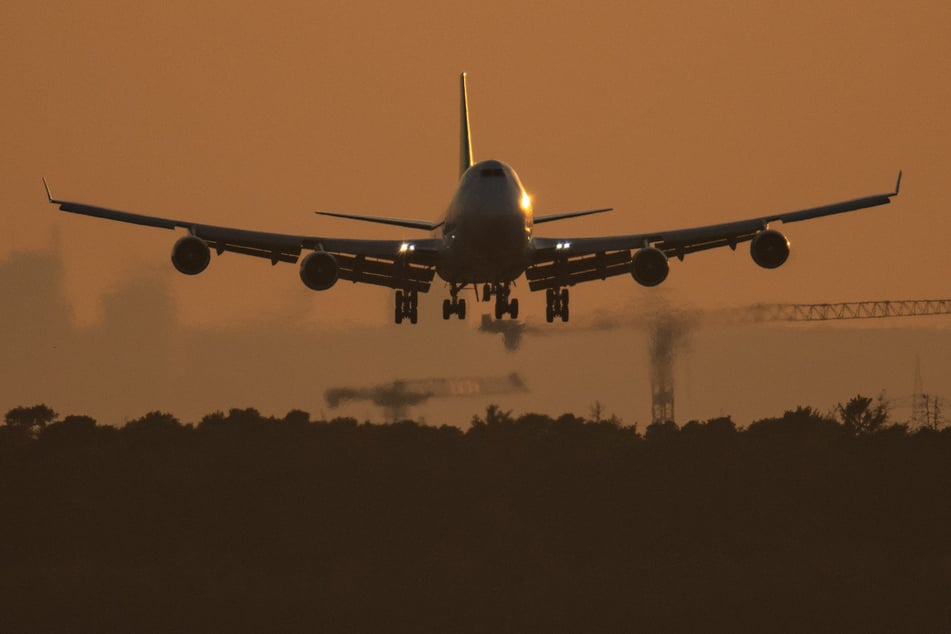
<point>492,172</point>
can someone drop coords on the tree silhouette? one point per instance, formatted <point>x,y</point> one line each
<point>247,522</point>
<point>73,430</point>
<point>238,420</point>
<point>297,418</point>
<point>802,423</point>
<point>32,418</point>
<point>25,423</point>
<point>860,416</point>
<point>722,427</point>
<point>154,422</point>
<point>494,417</point>
<point>659,431</point>
<point>78,421</point>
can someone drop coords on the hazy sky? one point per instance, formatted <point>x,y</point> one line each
<point>255,114</point>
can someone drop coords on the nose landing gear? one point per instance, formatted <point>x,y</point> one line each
<point>455,306</point>
<point>503,304</point>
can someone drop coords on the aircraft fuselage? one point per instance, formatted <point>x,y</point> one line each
<point>488,229</point>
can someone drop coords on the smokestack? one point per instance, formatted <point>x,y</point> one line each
<point>667,334</point>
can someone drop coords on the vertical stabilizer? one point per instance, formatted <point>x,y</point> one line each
<point>465,140</point>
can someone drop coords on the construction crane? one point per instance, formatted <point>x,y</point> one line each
<point>398,396</point>
<point>668,328</point>
<point>848,310</point>
<point>666,331</point>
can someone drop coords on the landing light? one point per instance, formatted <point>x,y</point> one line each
<point>407,247</point>
<point>562,246</point>
<point>526,202</point>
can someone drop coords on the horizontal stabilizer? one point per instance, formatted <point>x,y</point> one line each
<point>398,222</point>
<point>570,214</point>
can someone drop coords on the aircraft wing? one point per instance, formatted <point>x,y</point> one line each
<point>403,264</point>
<point>560,261</point>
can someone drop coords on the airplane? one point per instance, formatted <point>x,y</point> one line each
<point>486,237</point>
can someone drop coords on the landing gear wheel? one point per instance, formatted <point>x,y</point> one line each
<point>486,292</point>
<point>454,305</point>
<point>407,305</point>
<point>556,304</point>
<point>503,304</point>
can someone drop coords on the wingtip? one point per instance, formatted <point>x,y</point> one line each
<point>898,183</point>
<point>47,188</point>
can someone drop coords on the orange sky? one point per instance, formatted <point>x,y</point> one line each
<point>676,114</point>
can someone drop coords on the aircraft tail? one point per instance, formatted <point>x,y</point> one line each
<point>465,140</point>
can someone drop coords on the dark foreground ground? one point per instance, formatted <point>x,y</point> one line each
<point>243,523</point>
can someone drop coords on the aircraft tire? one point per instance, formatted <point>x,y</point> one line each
<point>399,313</point>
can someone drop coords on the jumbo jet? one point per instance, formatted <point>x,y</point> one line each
<point>486,238</point>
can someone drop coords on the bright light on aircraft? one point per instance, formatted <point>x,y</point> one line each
<point>526,202</point>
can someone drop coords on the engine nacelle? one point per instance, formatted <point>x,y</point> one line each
<point>191,255</point>
<point>318,271</point>
<point>649,266</point>
<point>769,249</point>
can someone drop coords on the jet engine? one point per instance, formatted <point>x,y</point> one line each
<point>191,255</point>
<point>318,271</point>
<point>649,266</point>
<point>769,249</point>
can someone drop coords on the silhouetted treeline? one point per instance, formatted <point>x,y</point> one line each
<point>242,522</point>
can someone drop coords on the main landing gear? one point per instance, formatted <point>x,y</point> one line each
<point>503,304</point>
<point>557,304</point>
<point>407,304</point>
<point>455,306</point>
